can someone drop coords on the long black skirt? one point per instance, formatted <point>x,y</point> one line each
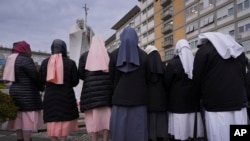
<point>157,125</point>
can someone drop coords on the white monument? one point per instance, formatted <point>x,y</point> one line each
<point>80,36</point>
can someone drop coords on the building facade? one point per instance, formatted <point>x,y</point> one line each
<point>163,22</point>
<point>227,16</point>
<point>132,19</point>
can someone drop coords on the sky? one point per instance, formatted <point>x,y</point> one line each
<point>39,22</point>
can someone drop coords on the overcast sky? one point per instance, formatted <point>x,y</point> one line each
<point>39,22</point>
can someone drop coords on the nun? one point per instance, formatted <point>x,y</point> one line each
<point>59,75</point>
<point>25,89</point>
<point>157,96</point>
<point>95,100</point>
<point>183,104</point>
<point>128,70</point>
<point>219,78</point>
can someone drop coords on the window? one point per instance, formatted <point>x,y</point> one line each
<point>192,27</point>
<point>211,19</point>
<point>230,11</point>
<point>151,31</point>
<point>169,38</point>
<point>224,12</point>
<point>206,3</point>
<point>137,19</point>
<point>138,30</point>
<point>247,27</point>
<point>192,10</point>
<point>207,20</point>
<point>193,44</point>
<point>243,5</point>
<point>247,3</point>
<point>187,29</point>
<point>196,26</point>
<point>150,6</point>
<point>240,7</point>
<point>151,19</point>
<point>187,13</point>
<point>169,54</point>
<point>241,29</point>
<point>231,32</point>
<point>132,24</point>
<point>151,43</point>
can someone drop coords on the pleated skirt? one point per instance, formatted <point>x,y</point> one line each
<point>129,123</point>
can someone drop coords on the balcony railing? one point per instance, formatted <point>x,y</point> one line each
<point>167,43</point>
<point>167,14</point>
<point>167,58</point>
<point>164,3</point>
<point>168,55</point>
<point>167,29</point>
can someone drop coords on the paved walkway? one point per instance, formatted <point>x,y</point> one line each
<point>79,135</point>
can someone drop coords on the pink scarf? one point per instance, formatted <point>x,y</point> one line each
<point>55,69</point>
<point>9,69</point>
<point>98,58</point>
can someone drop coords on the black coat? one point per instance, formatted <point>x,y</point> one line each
<point>25,89</point>
<point>220,82</point>
<point>59,99</point>
<point>97,87</point>
<point>157,93</point>
<point>181,97</point>
<point>130,89</point>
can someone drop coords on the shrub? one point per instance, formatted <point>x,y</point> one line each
<point>8,109</point>
<point>2,86</point>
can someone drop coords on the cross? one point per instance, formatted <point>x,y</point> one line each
<point>86,12</point>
